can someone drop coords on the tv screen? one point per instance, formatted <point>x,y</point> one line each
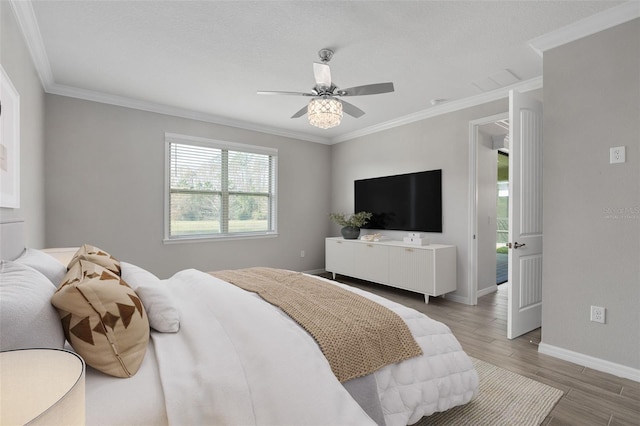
<point>408,202</point>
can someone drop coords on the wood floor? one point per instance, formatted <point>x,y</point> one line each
<point>590,397</point>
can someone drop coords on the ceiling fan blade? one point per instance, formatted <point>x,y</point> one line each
<point>322,73</point>
<point>369,89</point>
<point>285,93</point>
<point>300,113</point>
<point>352,110</point>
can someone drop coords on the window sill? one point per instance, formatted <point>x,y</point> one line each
<point>209,239</point>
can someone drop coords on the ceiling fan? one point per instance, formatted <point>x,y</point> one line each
<point>325,110</point>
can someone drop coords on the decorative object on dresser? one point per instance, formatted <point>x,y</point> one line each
<point>351,224</point>
<point>416,239</point>
<point>426,269</point>
<point>372,237</point>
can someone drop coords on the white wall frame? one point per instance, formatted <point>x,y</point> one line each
<point>9,143</point>
<point>472,278</point>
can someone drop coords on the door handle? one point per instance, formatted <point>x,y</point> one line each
<point>516,245</point>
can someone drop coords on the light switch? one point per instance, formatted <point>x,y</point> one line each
<point>617,155</point>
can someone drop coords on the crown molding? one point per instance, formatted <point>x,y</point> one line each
<point>123,101</point>
<point>23,11</point>
<point>585,27</point>
<point>483,98</point>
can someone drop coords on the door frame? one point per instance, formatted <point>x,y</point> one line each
<point>472,263</point>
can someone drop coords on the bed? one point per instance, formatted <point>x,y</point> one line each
<point>218,354</point>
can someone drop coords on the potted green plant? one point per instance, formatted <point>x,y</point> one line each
<point>351,223</point>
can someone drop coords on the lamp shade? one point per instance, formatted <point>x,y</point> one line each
<point>324,112</point>
<point>41,387</point>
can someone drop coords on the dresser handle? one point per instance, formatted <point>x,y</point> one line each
<point>409,250</point>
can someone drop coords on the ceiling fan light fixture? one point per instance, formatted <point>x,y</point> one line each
<point>324,113</point>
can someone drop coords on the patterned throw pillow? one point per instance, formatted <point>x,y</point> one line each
<point>95,255</point>
<point>103,319</point>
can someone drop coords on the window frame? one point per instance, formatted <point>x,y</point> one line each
<point>173,138</point>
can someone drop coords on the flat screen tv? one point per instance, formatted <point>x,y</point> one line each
<point>408,202</point>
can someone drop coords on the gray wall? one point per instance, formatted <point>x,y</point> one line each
<point>441,142</point>
<point>16,61</point>
<point>591,207</point>
<point>105,186</point>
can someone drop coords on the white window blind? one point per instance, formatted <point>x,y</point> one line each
<point>219,189</point>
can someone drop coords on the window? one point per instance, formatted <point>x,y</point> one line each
<point>218,189</point>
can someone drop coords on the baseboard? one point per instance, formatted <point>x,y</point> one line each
<point>315,272</point>
<point>488,290</point>
<point>591,362</point>
<point>458,299</point>
<point>465,300</point>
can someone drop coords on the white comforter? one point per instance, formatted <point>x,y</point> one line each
<point>240,361</point>
<point>442,378</point>
<point>237,361</point>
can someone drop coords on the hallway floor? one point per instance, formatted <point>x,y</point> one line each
<point>502,268</point>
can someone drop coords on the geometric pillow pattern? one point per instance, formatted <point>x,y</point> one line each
<point>95,255</point>
<point>102,317</point>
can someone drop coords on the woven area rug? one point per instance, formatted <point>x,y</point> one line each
<point>505,398</point>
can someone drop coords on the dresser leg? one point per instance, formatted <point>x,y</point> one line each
<point>426,299</point>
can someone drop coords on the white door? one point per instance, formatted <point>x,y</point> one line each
<point>525,215</point>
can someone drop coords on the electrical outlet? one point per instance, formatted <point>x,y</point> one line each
<point>302,253</point>
<point>597,314</point>
<point>617,154</point>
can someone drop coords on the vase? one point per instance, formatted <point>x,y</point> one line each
<point>350,232</point>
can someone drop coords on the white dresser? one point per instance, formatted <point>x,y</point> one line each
<point>429,270</point>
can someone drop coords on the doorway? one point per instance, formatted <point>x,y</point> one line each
<point>490,204</point>
<point>525,212</point>
<point>502,217</point>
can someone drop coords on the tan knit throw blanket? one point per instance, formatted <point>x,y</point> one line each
<point>356,335</point>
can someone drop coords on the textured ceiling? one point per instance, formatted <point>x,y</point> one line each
<point>210,57</point>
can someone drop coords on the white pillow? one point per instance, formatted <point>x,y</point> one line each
<point>49,266</point>
<point>162,312</point>
<point>27,317</point>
